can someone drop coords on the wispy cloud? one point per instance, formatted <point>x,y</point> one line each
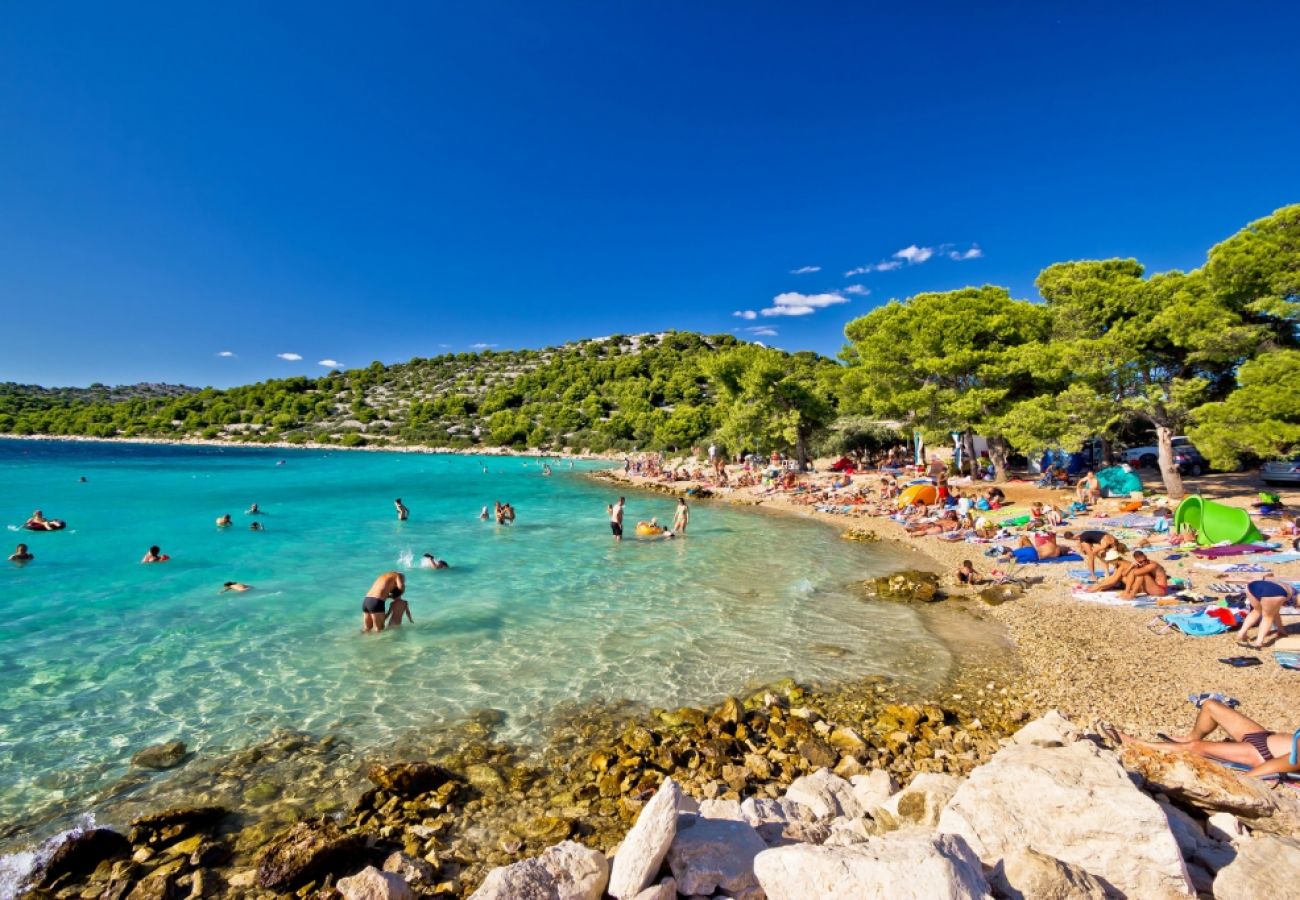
<point>226,354</point>
<point>914,255</point>
<point>858,290</point>
<point>887,265</point>
<point>860,270</point>
<point>330,364</point>
<point>973,253</point>
<point>762,331</point>
<point>747,314</point>
<point>289,357</point>
<point>793,303</point>
<point>805,270</point>
<point>481,346</point>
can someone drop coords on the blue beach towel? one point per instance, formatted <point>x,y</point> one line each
<point>1196,624</point>
<point>1064,557</point>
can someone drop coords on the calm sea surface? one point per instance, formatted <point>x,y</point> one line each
<point>100,655</point>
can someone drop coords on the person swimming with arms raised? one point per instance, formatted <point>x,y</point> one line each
<point>21,555</point>
<point>429,561</point>
<point>390,585</point>
<point>237,586</point>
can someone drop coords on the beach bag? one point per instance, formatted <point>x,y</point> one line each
<point>1197,624</point>
<point>982,504</point>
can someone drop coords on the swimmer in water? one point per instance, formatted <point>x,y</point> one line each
<point>224,521</point>
<point>429,561</point>
<point>390,585</point>
<point>237,586</point>
<point>402,512</point>
<point>154,555</point>
<point>253,511</point>
<point>484,514</point>
<point>21,555</point>
<point>256,526</point>
<point>83,479</point>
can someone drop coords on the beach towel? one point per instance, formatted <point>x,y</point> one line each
<point>1249,568</point>
<point>1230,550</point>
<point>1080,575</point>
<point>1064,557</point>
<point>1289,556</point>
<point>1107,598</point>
<point>1133,520</point>
<point>1287,659</point>
<point>1196,624</point>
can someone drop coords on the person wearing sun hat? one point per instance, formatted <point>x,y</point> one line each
<point>1115,581</point>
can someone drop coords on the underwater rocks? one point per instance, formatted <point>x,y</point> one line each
<point>911,585</point>
<point>161,756</point>
<point>79,854</point>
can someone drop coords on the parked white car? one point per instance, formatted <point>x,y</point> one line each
<point>1186,456</point>
<point>1281,471</point>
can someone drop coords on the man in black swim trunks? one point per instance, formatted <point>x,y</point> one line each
<point>1093,546</point>
<point>390,584</point>
<point>616,519</point>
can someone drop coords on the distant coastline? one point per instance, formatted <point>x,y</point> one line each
<point>316,445</point>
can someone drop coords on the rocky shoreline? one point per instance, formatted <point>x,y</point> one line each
<point>473,802</point>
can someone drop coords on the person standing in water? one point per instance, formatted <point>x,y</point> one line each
<point>390,585</point>
<point>682,517</point>
<point>155,555</point>
<point>21,555</point>
<point>616,519</point>
<point>402,512</point>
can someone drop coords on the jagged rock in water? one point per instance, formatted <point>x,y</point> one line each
<point>408,779</point>
<point>80,853</point>
<point>305,852</point>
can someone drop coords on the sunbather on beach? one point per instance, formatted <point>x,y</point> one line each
<point>1046,545</point>
<point>1266,752</point>
<point>1266,598</point>
<point>1145,576</point>
<point>946,523</point>
<point>1088,490</point>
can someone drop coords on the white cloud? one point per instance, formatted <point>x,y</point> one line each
<point>860,270</point>
<point>762,331</point>
<point>914,255</point>
<point>888,265</point>
<point>805,270</point>
<point>857,290</point>
<point>792,303</point>
<point>290,357</point>
<point>481,346</point>
<point>330,364</point>
<point>227,354</point>
<point>747,314</point>
<point>973,253</point>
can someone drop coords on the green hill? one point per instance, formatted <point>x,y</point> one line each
<point>644,391</point>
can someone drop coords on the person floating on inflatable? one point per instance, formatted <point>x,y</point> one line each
<point>38,522</point>
<point>652,529</point>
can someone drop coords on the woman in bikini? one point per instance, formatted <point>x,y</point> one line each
<point>1266,598</point>
<point>1266,752</point>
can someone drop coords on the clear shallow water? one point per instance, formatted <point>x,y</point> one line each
<point>100,656</point>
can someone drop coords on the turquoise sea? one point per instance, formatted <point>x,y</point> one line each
<point>101,655</point>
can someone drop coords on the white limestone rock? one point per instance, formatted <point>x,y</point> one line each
<point>664,890</point>
<point>902,865</point>
<point>1026,874</point>
<point>1050,730</point>
<point>1266,866</point>
<point>524,880</point>
<point>580,873</point>
<point>715,854</point>
<point>873,788</point>
<point>1075,803</point>
<point>919,804</point>
<point>721,809</point>
<point>825,794</point>
<point>372,884</point>
<point>642,851</point>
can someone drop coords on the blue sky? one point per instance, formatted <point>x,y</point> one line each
<point>359,182</point>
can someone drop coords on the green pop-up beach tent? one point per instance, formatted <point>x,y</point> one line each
<point>1216,522</point>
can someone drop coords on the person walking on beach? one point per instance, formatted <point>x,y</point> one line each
<point>616,519</point>
<point>682,517</point>
<point>390,585</point>
<point>1266,598</point>
<point>21,555</point>
<point>402,512</point>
